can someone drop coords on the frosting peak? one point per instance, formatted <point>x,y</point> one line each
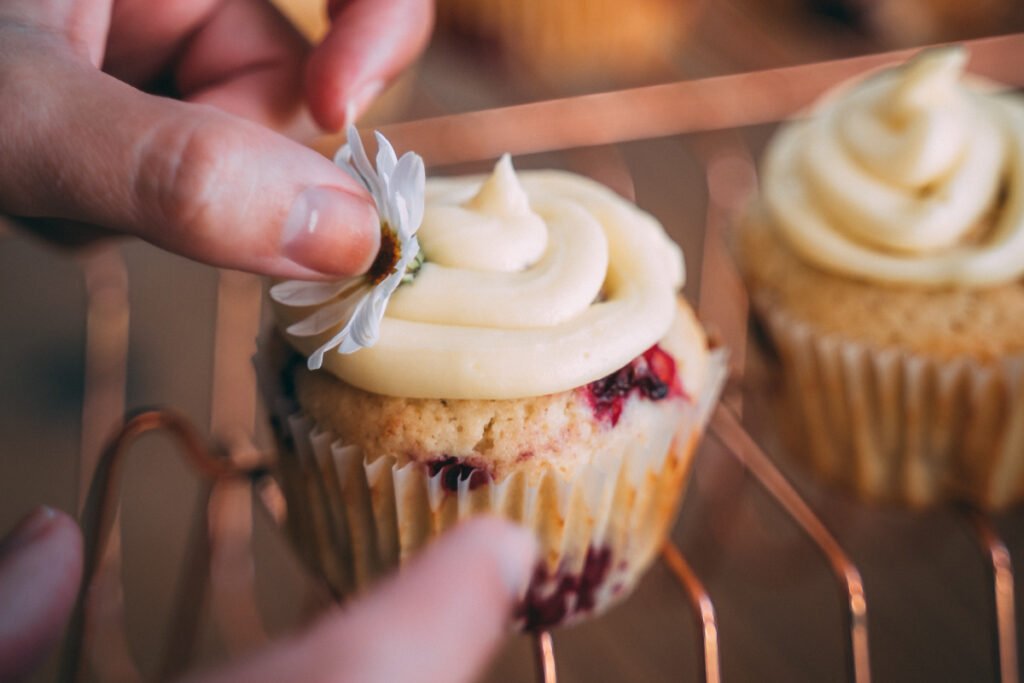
<point>900,178</point>
<point>501,192</point>
<point>533,283</point>
<point>929,80</point>
<point>494,229</point>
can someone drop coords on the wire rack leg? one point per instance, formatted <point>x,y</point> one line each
<point>1003,594</point>
<point>700,600</point>
<point>727,429</point>
<point>106,357</point>
<point>544,657</point>
<point>183,627</point>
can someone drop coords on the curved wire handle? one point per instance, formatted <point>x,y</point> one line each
<point>101,601</point>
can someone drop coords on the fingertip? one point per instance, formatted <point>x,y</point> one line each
<point>331,232</point>
<point>325,92</point>
<point>46,530</point>
<point>369,44</point>
<point>40,570</point>
<point>513,548</point>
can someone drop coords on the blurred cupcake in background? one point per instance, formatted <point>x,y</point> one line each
<point>568,44</point>
<point>901,23</point>
<point>885,257</point>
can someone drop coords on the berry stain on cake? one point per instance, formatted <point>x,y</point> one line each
<point>452,471</point>
<point>544,606</point>
<point>652,375</point>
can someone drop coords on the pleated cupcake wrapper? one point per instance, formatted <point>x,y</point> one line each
<point>354,520</point>
<point>902,427</point>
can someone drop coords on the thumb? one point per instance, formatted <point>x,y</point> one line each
<point>40,567</point>
<point>438,621</point>
<point>186,177</point>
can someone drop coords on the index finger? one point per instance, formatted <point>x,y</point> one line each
<point>370,42</point>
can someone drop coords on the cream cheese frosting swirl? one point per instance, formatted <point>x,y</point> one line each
<point>533,284</point>
<point>913,176</point>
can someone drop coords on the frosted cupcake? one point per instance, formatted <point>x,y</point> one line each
<point>537,364</point>
<point>885,256</point>
<point>575,43</point>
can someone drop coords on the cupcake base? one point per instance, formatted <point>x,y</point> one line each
<point>898,395</point>
<point>599,526</point>
<point>898,427</point>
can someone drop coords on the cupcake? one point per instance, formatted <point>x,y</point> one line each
<point>884,258</point>
<point>577,43</point>
<point>900,23</point>
<point>536,363</point>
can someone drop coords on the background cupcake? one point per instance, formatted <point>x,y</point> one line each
<point>539,366</point>
<point>885,257</point>
<point>572,44</point>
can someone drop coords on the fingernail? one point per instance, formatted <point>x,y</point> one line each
<point>361,100</point>
<point>29,529</point>
<point>331,232</point>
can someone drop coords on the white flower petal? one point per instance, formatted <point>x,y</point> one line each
<point>401,221</point>
<point>366,325</point>
<point>328,316</point>
<point>302,293</point>
<point>356,337</point>
<point>343,155</point>
<point>410,248</point>
<point>397,186</point>
<point>386,159</point>
<point>343,160</point>
<point>362,164</point>
<point>352,173</point>
<point>409,182</point>
<point>316,359</point>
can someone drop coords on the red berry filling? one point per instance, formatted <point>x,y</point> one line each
<point>652,374</point>
<point>453,470</point>
<point>544,612</point>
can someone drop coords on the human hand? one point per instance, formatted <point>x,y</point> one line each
<point>438,620</point>
<point>40,568</point>
<point>85,150</point>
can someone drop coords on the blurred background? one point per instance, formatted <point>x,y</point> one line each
<point>780,615</point>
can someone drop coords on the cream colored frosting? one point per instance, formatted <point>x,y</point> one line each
<point>533,284</point>
<point>913,176</point>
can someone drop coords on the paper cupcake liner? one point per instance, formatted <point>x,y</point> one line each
<point>901,427</point>
<point>354,520</point>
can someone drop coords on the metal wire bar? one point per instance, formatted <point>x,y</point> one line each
<point>544,657</point>
<point>654,111</point>
<point>723,306</point>
<point>728,430</point>
<point>233,384</point>
<point>106,356</point>
<point>101,529</point>
<point>191,593</point>
<point>1002,592</point>
<point>700,600</point>
<point>229,509</point>
<point>232,575</point>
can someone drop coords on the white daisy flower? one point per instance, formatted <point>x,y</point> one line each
<point>358,303</point>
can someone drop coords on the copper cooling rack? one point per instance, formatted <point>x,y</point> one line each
<point>237,479</point>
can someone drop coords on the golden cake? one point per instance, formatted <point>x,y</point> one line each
<point>884,256</point>
<point>538,365</point>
